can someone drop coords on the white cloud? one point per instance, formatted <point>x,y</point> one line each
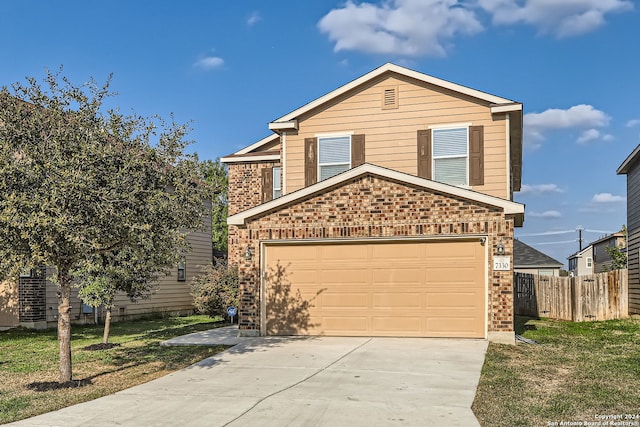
<point>546,214</point>
<point>588,135</point>
<point>254,18</point>
<point>607,198</point>
<point>578,116</point>
<point>607,138</point>
<point>209,63</point>
<point>633,123</point>
<point>400,27</point>
<point>540,189</point>
<point>563,18</point>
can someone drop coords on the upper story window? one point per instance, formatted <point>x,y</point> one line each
<point>334,155</point>
<point>277,182</point>
<point>451,155</point>
<point>589,262</point>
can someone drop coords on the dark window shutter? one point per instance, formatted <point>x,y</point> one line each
<point>267,184</point>
<point>310,161</point>
<point>476,155</point>
<point>357,150</point>
<point>424,153</point>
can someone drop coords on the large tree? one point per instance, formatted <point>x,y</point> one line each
<point>79,182</point>
<point>215,174</point>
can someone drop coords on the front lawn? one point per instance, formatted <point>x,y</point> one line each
<point>29,362</point>
<point>578,372</point>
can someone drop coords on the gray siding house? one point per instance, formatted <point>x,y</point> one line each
<point>581,263</point>
<point>631,168</point>
<point>601,259</point>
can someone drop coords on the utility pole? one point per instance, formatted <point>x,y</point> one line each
<point>580,230</point>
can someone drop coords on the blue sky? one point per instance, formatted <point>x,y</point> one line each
<point>232,68</point>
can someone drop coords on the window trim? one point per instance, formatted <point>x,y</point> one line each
<point>589,262</point>
<point>276,170</point>
<point>455,126</point>
<point>182,267</point>
<point>319,139</point>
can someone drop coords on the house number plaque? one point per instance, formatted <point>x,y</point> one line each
<point>501,263</point>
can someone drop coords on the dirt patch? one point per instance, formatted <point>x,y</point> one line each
<point>100,346</point>
<point>53,385</point>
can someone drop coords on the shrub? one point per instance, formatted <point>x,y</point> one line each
<point>215,289</point>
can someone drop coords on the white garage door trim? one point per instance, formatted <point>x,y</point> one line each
<point>289,242</point>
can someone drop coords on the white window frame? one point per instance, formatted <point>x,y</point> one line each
<point>589,262</point>
<point>277,191</point>
<point>327,136</point>
<point>456,126</point>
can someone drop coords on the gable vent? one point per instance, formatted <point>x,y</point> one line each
<point>389,97</point>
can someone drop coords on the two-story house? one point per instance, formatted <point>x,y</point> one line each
<point>601,259</point>
<point>581,262</point>
<point>383,208</point>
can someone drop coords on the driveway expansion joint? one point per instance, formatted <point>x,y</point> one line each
<point>289,387</point>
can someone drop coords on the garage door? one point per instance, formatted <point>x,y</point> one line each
<point>420,289</point>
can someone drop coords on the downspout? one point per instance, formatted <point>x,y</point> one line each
<point>508,160</point>
<point>283,159</point>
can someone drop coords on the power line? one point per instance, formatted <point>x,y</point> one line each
<point>554,243</point>
<point>546,233</point>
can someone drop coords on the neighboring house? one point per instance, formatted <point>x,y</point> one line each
<point>377,210</point>
<point>32,302</point>
<point>529,260</point>
<point>601,258</point>
<point>631,168</point>
<point>581,262</point>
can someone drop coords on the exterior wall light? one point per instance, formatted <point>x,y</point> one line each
<point>500,248</point>
<point>247,254</point>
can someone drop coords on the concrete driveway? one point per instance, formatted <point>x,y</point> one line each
<point>319,381</point>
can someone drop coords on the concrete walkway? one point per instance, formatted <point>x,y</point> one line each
<point>316,381</point>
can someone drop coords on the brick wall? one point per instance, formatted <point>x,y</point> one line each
<point>245,192</point>
<point>369,207</point>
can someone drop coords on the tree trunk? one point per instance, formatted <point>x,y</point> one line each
<point>64,324</point>
<point>107,325</point>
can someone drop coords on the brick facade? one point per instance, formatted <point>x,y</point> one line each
<point>245,191</point>
<point>366,207</point>
<point>32,297</point>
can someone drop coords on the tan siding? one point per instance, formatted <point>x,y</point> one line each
<point>169,296</point>
<point>9,315</point>
<point>272,146</point>
<point>391,133</point>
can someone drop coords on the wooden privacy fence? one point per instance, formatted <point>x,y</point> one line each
<point>601,296</point>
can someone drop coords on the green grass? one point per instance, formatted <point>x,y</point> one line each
<point>576,370</point>
<point>29,362</point>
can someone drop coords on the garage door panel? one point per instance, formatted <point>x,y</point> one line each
<point>336,324</point>
<point>410,274</point>
<point>338,253</point>
<point>395,301</point>
<point>390,253</point>
<point>349,300</point>
<point>398,325</point>
<point>451,300</point>
<point>428,289</point>
<point>345,275</point>
<point>451,274</point>
<point>454,326</point>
